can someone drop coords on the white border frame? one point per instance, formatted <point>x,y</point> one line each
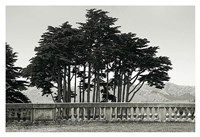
<point>4,3</point>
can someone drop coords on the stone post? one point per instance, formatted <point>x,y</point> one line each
<point>162,117</point>
<point>108,114</point>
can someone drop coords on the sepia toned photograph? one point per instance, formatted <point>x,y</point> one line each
<point>100,69</point>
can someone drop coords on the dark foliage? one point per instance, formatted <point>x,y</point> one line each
<point>13,85</point>
<point>90,54</point>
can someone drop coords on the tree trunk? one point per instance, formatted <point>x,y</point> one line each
<point>98,88</point>
<point>114,84</point>
<point>120,88</point>
<point>107,83</point>
<point>127,89</point>
<point>114,88</point>
<point>120,83</point>
<point>59,92</point>
<point>83,98</point>
<point>80,90</point>
<point>89,77</point>
<point>59,86</point>
<point>75,85</point>
<point>69,84</point>
<point>64,85</point>
<point>94,89</point>
<point>65,92</point>
<point>124,87</point>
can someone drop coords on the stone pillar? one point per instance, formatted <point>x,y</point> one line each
<point>108,115</point>
<point>162,117</point>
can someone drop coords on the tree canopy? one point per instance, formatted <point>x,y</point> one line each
<point>13,84</point>
<point>105,63</point>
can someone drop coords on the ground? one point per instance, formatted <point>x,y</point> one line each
<point>106,127</point>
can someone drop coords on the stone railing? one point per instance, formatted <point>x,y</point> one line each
<point>160,112</point>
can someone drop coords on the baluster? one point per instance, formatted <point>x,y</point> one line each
<point>150,114</point>
<point>97,113</point>
<point>15,116</point>
<point>178,114</point>
<point>80,114</point>
<point>85,115</point>
<point>156,118</point>
<point>193,116</point>
<point>64,115</point>
<point>71,112</point>
<point>124,114</point>
<point>113,114</point>
<point>189,116</point>
<point>161,116</point>
<point>59,113</point>
<point>173,114</point>
<point>129,113</point>
<point>24,115</point>
<point>134,114</point>
<point>28,115</point>
<point>75,113</point>
<point>184,114</point>
<point>7,116</point>
<point>10,116</point>
<point>21,116</point>
<point>19,111</point>
<point>102,113</point>
<point>119,114</point>
<point>89,113</point>
<point>92,114</point>
<point>140,114</point>
<point>145,114</point>
<point>181,110</point>
<point>167,114</point>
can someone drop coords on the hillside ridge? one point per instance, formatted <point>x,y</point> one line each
<point>170,93</point>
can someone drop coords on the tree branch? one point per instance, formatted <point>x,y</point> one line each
<point>72,76</point>
<point>136,91</point>
<point>55,86</point>
<point>136,76</point>
<point>134,80</point>
<point>52,98</point>
<point>135,87</point>
<point>53,75</point>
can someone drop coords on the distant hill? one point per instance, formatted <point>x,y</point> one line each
<point>170,93</point>
<point>35,95</point>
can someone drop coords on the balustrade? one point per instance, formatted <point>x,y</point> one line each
<point>161,112</point>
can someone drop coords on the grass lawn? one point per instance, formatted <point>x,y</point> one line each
<point>107,127</point>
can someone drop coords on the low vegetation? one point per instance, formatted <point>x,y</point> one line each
<point>107,127</point>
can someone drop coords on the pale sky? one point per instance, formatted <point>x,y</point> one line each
<point>171,28</point>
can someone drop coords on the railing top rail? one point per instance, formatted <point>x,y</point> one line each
<point>101,104</point>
